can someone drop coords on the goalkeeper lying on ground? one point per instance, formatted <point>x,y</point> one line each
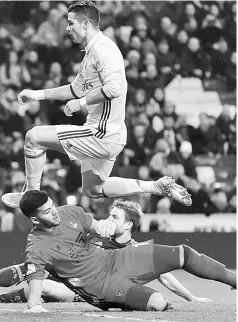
<point>54,291</point>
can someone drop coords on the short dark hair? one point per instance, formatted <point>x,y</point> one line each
<point>31,201</point>
<point>88,9</point>
<point>132,210</point>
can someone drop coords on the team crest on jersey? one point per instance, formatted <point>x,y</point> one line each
<point>30,269</point>
<point>73,224</point>
<point>119,293</point>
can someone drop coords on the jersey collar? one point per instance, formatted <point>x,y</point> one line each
<point>92,41</point>
<point>129,242</point>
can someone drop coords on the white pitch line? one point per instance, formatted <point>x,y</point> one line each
<point>107,316</point>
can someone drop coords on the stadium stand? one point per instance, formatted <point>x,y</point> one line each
<point>180,60</point>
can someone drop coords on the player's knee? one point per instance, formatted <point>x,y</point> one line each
<point>32,147</point>
<point>92,185</point>
<point>31,137</point>
<point>157,302</point>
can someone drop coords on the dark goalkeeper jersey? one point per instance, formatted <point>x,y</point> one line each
<point>67,250</point>
<point>111,243</point>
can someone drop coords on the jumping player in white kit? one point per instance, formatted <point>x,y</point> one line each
<point>101,87</point>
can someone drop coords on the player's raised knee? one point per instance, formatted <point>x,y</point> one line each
<point>32,136</point>
<point>157,302</point>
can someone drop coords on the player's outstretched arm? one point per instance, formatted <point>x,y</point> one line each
<point>170,282</point>
<point>58,93</point>
<point>94,97</point>
<point>35,290</point>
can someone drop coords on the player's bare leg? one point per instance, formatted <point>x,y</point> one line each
<point>96,187</point>
<point>37,140</point>
<point>168,258</point>
<point>41,138</point>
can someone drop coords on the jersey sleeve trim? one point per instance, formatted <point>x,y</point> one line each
<point>103,93</point>
<point>72,91</point>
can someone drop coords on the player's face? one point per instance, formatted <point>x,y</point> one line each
<point>47,215</point>
<point>76,28</point>
<point>118,216</point>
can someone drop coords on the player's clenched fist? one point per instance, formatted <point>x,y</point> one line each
<point>25,96</point>
<point>29,95</point>
<point>71,107</point>
<point>105,228</point>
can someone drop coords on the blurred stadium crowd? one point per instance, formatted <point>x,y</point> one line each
<point>159,41</point>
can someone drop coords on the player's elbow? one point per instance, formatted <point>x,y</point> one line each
<point>165,276</point>
<point>164,279</point>
<point>112,90</point>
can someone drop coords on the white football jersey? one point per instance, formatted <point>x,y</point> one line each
<point>103,68</point>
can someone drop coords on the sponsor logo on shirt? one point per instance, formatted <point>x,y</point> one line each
<point>30,269</point>
<point>87,86</point>
<point>119,293</point>
<point>73,224</point>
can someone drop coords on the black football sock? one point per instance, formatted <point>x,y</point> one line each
<point>11,275</point>
<point>206,267</point>
<point>16,296</point>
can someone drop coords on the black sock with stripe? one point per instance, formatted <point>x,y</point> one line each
<point>205,267</point>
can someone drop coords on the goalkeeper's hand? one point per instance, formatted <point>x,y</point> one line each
<point>105,228</point>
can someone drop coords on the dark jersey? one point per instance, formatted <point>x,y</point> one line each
<point>101,276</point>
<point>111,243</point>
<point>67,250</point>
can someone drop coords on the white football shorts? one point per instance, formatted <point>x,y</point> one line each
<point>94,154</point>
